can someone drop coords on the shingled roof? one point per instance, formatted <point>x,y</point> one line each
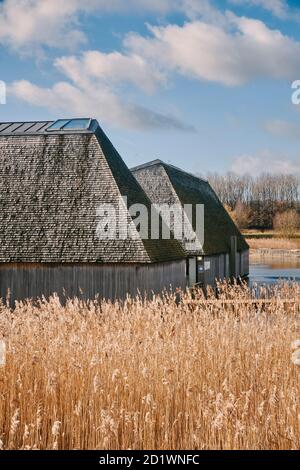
<point>165,183</point>
<point>53,177</point>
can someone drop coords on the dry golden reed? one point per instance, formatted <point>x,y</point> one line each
<point>274,243</point>
<point>202,373</point>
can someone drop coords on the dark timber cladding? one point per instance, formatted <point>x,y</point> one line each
<point>225,252</point>
<point>53,178</point>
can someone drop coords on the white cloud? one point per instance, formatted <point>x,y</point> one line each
<point>113,68</point>
<point>32,23</point>
<point>234,54</point>
<point>281,128</point>
<point>93,90</point>
<point>28,25</point>
<point>264,162</point>
<point>220,47</point>
<point>89,100</point>
<point>245,50</point>
<point>278,8</point>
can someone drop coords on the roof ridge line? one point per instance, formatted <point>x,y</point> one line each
<point>161,162</point>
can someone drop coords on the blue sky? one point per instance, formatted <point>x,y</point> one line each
<point>203,84</point>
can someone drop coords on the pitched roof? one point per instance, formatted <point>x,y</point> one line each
<point>51,185</point>
<point>165,183</point>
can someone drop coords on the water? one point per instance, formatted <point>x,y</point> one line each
<point>272,271</point>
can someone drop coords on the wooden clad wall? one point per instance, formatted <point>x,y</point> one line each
<point>217,269</point>
<point>111,281</point>
<point>245,263</point>
<point>220,267</point>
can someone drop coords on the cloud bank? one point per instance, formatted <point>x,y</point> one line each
<point>70,100</point>
<point>210,46</point>
<point>266,161</point>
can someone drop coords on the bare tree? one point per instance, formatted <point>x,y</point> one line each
<point>287,223</point>
<point>264,196</point>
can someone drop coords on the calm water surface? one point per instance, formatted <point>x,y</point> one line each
<point>272,271</point>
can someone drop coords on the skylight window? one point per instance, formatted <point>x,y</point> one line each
<point>77,124</point>
<point>57,125</point>
<point>70,124</point>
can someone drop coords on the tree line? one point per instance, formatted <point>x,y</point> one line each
<point>258,202</point>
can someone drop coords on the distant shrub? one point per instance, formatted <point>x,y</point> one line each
<point>241,215</point>
<point>287,223</point>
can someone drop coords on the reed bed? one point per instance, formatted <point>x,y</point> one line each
<point>274,243</point>
<point>205,372</point>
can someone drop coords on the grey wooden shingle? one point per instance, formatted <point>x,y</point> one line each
<point>51,185</point>
<point>165,183</point>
